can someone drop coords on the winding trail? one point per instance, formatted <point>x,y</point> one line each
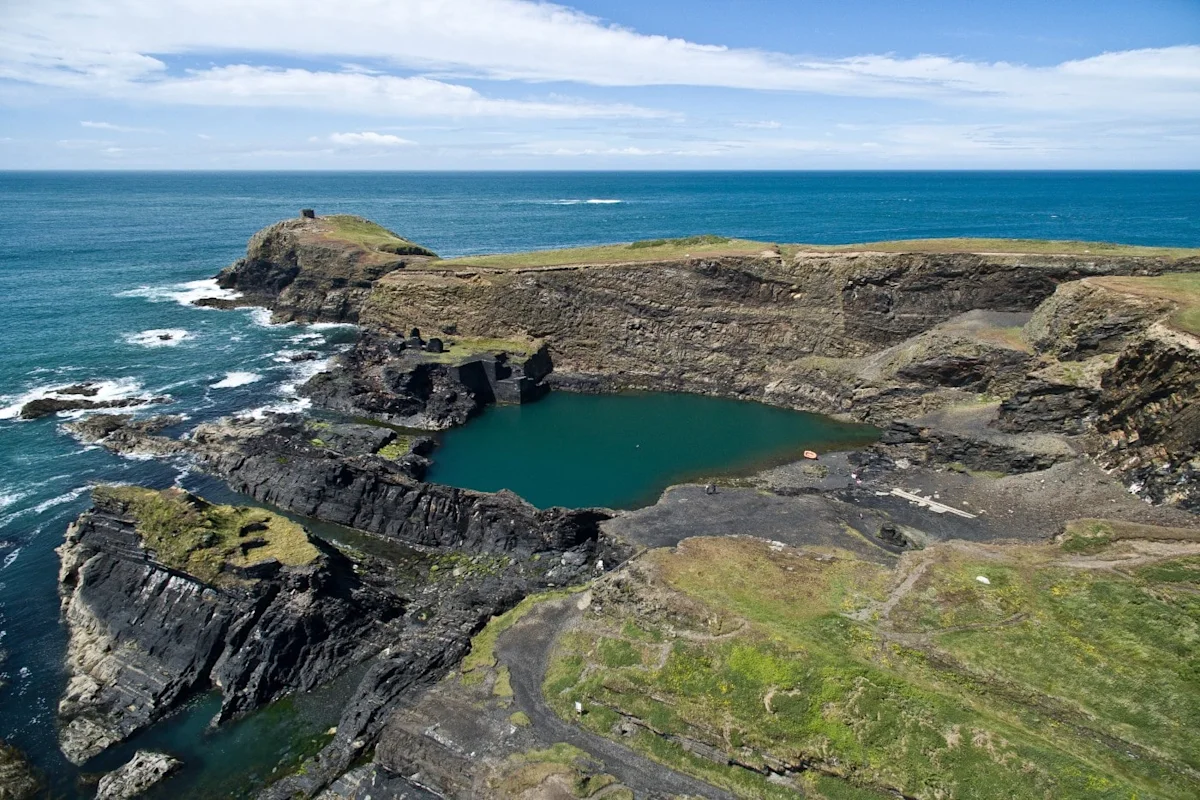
<point>525,650</point>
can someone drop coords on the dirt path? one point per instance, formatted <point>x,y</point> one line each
<point>525,650</point>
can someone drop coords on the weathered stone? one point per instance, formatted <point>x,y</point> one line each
<point>141,773</point>
<point>145,637</point>
<point>18,781</point>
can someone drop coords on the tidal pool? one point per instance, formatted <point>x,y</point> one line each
<point>622,450</point>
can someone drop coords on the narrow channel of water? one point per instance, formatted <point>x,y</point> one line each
<point>623,450</point>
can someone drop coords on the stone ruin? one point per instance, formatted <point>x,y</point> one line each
<point>307,213</point>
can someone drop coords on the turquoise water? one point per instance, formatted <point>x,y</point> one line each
<point>92,263</point>
<point>621,451</point>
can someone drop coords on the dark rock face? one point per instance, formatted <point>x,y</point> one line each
<point>45,406</point>
<point>303,270</point>
<point>146,637</point>
<point>376,495</point>
<point>1044,406</point>
<point>923,445</point>
<point>961,371</point>
<point>379,378</point>
<point>1149,411</point>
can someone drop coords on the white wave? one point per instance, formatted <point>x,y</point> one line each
<point>234,379</point>
<point>185,294</point>
<point>301,372</point>
<point>300,338</point>
<point>602,202</point>
<point>10,496</point>
<point>11,405</point>
<point>329,326</point>
<point>262,318</point>
<point>158,337</point>
<point>66,497</point>
<point>290,407</point>
<point>10,558</point>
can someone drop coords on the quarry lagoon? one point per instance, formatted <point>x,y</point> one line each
<point>623,450</point>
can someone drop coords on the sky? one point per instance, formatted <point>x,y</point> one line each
<point>599,84</point>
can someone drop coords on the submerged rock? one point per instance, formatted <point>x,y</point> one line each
<point>45,406</point>
<point>18,781</point>
<point>142,772</point>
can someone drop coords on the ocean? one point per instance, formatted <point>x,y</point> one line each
<point>96,267</point>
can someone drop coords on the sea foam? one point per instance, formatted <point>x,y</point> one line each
<point>119,389</point>
<point>235,379</point>
<point>185,294</point>
<point>158,337</point>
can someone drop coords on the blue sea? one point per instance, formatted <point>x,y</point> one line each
<point>96,267</point>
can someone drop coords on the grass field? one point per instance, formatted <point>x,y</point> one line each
<point>1182,289</point>
<point>650,250</point>
<point>712,246</point>
<point>1015,246</point>
<point>1052,679</point>
<point>365,233</point>
<point>200,538</point>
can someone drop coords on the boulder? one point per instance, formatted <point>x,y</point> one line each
<point>143,771</point>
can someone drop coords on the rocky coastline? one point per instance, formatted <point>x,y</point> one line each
<point>1012,366</point>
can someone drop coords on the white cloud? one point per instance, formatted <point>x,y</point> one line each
<point>104,45</point>
<point>369,139</point>
<point>108,126</point>
<point>764,125</point>
<point>356,92</point>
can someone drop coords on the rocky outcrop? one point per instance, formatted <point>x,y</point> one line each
<point>46,406</point>
<point>383,378</point>
<point>316,268</point>
<point>18,781</point>
<point>146,635</point>
<point>926,445</point>
<point>142,772</point>
<point>1149,412</point>
<point>735,326</point>
<point>270,462</point>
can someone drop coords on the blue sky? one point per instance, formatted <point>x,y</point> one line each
<point>599,84</point>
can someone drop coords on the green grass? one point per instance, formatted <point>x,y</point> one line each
<point>396,448</point>
<point>365,233</point>
<point>1037,684</point>
<point>1182,289</point>
<point>1015,246</point>
<point>1091,535</point>
<point>202,539</point>
<point>482,657</point>
<point>711,246</point>
<point>650,250</point>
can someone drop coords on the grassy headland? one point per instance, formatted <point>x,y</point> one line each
<point>715,246</point>
<point>630,252</point>
<point>1182,289</point>
<point>200,538</point>
<point>362,233</point>
<point>970,671</point>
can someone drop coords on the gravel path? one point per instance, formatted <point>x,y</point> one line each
<point>525,650</point>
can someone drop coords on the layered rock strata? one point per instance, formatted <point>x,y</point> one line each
<point>146,635</point>
<point>316,268</point>
<point>382,378</point>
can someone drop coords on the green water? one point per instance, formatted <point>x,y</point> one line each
<point>621,451</point>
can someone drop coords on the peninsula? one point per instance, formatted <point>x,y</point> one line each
<point>995,599</point>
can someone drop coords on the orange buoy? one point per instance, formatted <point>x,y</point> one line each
<point>810,454</point>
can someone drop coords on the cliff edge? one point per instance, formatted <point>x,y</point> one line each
<point>316,269</point>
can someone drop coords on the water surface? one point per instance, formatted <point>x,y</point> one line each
<point>622,450</point>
